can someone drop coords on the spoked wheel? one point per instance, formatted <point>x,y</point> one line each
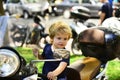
<point>75,48</point>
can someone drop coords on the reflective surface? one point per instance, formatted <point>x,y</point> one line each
<point>9,63</point>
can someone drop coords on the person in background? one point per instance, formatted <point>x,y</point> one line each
<point>59,33</point>
<point>105,12</point>
<point>4,40</point>
<point>114,21</point>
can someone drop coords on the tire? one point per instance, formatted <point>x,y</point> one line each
<point>75,48</point>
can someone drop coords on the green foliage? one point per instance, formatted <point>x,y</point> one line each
<point>113,70</point>
<point>28,56</point>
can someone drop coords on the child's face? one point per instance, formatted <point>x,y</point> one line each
<point>60,41</point>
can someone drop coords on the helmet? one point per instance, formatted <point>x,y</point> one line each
<point>103,52</point>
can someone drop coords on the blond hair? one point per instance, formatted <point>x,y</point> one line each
<point>60,27</point>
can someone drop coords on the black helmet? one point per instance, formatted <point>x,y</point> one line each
<point>103,52</point>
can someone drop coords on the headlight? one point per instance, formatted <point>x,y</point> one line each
<point>9,62</point>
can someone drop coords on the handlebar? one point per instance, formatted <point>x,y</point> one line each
<point>46,60</point>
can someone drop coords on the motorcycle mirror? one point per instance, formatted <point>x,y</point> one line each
<point>61,53</point>
<point>9,62</point>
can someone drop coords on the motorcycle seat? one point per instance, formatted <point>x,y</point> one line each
<point>84,69</point>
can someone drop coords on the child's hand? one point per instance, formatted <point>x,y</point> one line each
<point>35,52</point>
<point>51,76</point>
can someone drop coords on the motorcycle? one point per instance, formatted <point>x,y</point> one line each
<point>14,67</point>
<point>37,33</point>
<point>80,16</point>
<point>24,34</point>
<point>18,34</point>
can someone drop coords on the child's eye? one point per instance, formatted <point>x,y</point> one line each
<point>59,38</point>
<point>62,38</point>
<point>65,38</point>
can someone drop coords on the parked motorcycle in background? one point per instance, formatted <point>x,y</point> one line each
<point>80,16</point>
<point>18,34</point>
<point>24,34</point>
<point>37,36</point>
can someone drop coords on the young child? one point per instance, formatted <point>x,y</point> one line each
<point>59,33</point>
